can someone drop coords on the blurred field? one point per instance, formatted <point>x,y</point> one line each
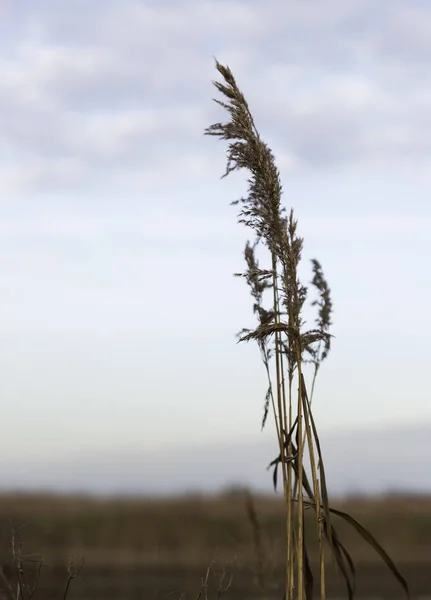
<point>146,548</point>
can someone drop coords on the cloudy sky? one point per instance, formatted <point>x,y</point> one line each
<point>117,243</point>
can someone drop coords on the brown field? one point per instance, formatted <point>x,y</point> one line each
<point>147,548</point>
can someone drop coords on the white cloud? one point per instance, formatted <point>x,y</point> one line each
<point>126,86</point>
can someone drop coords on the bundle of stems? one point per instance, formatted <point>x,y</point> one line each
<point>285,347</point>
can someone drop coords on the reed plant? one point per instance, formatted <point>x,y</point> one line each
<point>286,346</point>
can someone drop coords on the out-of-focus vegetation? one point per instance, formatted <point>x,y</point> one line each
<point>138,546</point>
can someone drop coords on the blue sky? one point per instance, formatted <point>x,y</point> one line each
<point>117,243</point>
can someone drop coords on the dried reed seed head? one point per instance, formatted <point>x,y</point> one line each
<point>261,208</point>
<point>262,211</point>
<point>325,302</point>
<point>323,320</point>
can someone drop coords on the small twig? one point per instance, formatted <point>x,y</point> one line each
<point>224,587</point>
<point>204,583</point>
<point>73,572</point>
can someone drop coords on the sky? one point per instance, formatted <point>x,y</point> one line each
<point>118,244</point>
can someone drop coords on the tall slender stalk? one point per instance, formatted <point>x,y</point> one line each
<point>281,402</point>
<point>281,338</point>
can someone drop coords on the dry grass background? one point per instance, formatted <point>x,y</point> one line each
<point>167,543</point>
<point>187,530</point>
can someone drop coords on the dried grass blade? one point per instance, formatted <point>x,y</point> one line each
<point>323,487</point>
<point>341,558</point>
<point>370,539</point>
<point>308,573</point>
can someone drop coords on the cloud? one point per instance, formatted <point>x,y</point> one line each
<point>88,88</point>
